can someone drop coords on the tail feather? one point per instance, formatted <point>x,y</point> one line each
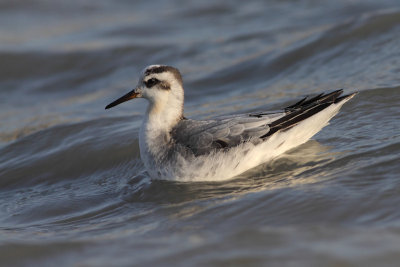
<point>304,109</point>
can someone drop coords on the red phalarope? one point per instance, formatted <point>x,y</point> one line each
<point>173,147</point>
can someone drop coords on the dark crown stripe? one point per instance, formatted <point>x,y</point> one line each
<point>160,69</point>
<point>157,69</point>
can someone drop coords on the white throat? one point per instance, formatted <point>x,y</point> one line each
<point>163,114</point>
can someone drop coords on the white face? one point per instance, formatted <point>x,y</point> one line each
<point>158,82</point>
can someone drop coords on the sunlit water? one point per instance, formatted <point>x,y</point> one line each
<point>73,190</point>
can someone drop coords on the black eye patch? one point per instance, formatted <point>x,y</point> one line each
<point>151,82</point>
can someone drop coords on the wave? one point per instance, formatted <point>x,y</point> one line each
<point>275,63</point>
<point>75,67</point>
<point>68,152</point>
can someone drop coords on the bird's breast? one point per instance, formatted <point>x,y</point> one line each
<point>154,142</point>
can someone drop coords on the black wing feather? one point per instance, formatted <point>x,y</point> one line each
<point>303,110</point>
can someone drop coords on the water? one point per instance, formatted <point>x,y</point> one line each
<point>73,190</point>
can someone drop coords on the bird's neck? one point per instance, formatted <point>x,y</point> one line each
<point>162,116</point>
<point>155,133</point>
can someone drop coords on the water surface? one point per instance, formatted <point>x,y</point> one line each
<point>73,190</point>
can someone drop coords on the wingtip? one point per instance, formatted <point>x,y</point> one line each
<point>346,97</point>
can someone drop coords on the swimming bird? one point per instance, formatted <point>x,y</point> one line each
<point>173,147</point>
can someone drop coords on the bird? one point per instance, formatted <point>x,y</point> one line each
<point>173,147</point>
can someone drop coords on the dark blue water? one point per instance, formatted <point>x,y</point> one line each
<point>73,190</point>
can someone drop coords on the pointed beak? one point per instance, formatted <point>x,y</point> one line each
<point>131,95</point>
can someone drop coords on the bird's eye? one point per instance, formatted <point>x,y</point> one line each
<point>151,82</point>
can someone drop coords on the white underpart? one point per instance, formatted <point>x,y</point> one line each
<point>223,165</point>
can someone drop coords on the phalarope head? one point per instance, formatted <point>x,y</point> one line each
<point>159,84</point>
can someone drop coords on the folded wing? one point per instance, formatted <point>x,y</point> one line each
<point>223,132</point>
<point>229,131</point>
